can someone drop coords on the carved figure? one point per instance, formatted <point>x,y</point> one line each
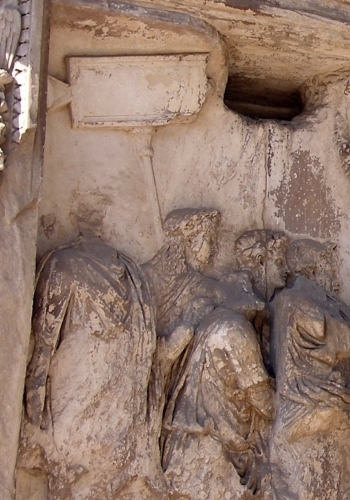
<point>176,275</point>
<point>220,406</point>
<point>311,358</point>
<point>263,253</point>
<point>97,378</point>
<point>94,418</point>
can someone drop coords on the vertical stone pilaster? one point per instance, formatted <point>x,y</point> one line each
<point>19,198</point>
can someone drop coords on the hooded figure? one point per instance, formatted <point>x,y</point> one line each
<point>93,408</point>
<point>220,403</point>
<point>309,449</point>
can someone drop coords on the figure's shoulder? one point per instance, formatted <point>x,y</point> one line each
<point>61,259</point>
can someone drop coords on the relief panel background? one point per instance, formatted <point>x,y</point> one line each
<point>281,175</point>
<point>307,183</point>
<point>107,160</point>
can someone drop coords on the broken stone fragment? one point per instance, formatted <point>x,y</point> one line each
<point>5,79</point>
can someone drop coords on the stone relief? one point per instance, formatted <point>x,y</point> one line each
<point>10,27</point>
<point>221,405</point>
<point>93,324</point>
<point>310,346</point>
<point>161,381</point>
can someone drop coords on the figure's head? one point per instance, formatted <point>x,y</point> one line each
<point>315,261</point>
<point>263,252</point>
<point>196,230</point>
<point>89,210</point>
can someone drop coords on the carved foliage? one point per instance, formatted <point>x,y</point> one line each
<point>10,30</point>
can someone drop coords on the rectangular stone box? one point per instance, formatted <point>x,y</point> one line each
<point>132,91</point>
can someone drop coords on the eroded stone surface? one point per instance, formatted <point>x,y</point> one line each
<point>311,360</point>
<point>199,395</point>
<point>206,359</point>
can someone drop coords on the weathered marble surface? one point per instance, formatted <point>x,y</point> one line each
<point>213,316</point>
<point>20,78</point>
<point>311,352</point>
<point>93,325</point>
<point>134,368</point>
<point>221,403</point>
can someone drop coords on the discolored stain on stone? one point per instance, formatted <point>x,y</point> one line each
<point>336,11</point>
<point>48,223</point>
<point>305,201</point>
<point>253,5</point>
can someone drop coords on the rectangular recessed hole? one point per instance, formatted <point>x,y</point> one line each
<point>259,102</point>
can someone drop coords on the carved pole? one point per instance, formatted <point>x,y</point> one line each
<point>145,152</point>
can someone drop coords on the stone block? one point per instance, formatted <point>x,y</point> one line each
<point>136,90</point>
